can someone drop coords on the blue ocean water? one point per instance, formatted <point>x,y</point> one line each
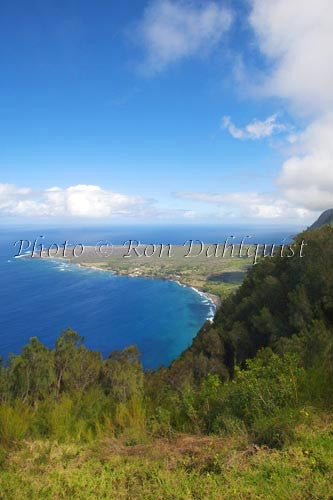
<point>41,297</point>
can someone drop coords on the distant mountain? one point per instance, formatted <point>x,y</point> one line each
<point>326,218</point>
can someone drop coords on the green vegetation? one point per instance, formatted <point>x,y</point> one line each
<point>190,467</point>
<point>245,412</point>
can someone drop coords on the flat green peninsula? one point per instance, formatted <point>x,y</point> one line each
<point>208,269</point>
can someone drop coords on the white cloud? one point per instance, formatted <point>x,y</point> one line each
<point>307,178</point>
<point>81,202</point>
<point>173,30</point>
<point>297,39</point>
<point>75,201</point>
<point>249,205</point>
<point>94,202</point>
<point>91,201</point>
<point>257,129</point>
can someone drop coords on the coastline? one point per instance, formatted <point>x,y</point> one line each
<point>192,276</point>
<point>214,300</point>
<point>214,279</point>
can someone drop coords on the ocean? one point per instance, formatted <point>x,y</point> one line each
<point>41,297</point>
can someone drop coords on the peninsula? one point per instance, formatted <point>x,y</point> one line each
<point>210,272</point>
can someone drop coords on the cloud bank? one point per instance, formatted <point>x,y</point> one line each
<point>82,200</point>
<point>307,178</point>
<point>251,205</point>
<point>296,37</point>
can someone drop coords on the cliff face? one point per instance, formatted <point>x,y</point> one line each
<point>326,218</point>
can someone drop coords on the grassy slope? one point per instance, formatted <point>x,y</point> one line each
<point>188,467</point>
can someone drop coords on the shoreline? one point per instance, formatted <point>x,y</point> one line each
<point>214,300</point>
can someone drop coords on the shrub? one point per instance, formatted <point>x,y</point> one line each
<point>14,423</point>
<point>274,431</point>
<point>269,384</point>
<point>130,419</point>
<point>228,426</point>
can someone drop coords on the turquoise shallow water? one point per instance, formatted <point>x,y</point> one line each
<point>41,298</point>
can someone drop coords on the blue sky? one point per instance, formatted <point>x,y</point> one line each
<point>164,110</point>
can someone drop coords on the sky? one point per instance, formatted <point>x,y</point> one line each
<point>159,111</point>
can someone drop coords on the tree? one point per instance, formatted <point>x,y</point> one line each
<point>31,374</point>
<point>122,375</point>
<point>66,349</point>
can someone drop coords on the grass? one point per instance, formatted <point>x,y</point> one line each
<point>188,467</point>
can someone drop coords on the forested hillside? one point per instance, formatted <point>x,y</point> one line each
<point>245,412</point>
<point>284,303</point>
